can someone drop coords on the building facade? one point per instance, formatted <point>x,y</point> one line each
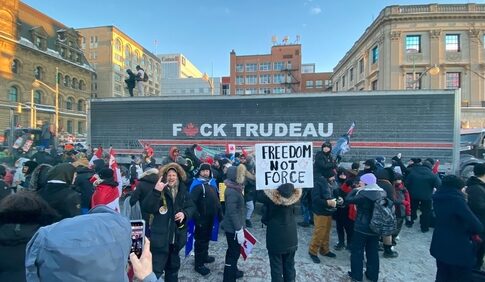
<point>191,86</point>
<point>279,72</point>
<point>421,47</point>
<point>178,66</point>
<point>40,55</point>
<point>111,52</point>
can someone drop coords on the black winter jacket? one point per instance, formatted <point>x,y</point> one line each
<point>84,186</point>
<point>146,184</point>
<point>321,192</point>
<point>420,182</point>
<point>476,197</point>
<point>364,199</point>
<point>164,230</point>
<point>62,198</point>
<point>323,163</point>
<point>454,226</point>
<point>281,233</point>
<point>207,203</point>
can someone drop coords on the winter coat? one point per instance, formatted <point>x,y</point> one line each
<point>39,177</point>
<point>346,210</point>
<point>364,198</point>
<point>281,233</point>
<point>235,207</point>
<point>13,240</point>
<point>144,187</point>
<point>321,192</point>
<point>323,163</point>
<point>106,193</point>
<point>84,186</point>
<point>206,199</point>
<point>455,224</point>
<point>131,80</point>
<point>62,198</point>
<point>93,247</point>
<point>164,230</point>
<point>420,182</point>
<point>402,201</point>
<point>476,197</point>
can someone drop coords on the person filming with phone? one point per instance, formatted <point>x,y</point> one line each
<point>171,206</point>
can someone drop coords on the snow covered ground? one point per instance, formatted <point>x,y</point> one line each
<point>413,264</point>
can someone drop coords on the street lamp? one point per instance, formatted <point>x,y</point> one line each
<point>413,52</point>
<point>434,70</point>
<point>37,83</point>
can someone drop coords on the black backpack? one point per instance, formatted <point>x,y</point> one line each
<point>145,77</point>
<point>383,221</point>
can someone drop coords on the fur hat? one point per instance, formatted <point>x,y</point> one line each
<point>368,179</point>
<point>178,169</point>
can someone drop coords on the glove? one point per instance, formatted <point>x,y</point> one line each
<point>240,236</point>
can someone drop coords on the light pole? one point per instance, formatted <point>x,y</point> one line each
<point>37,83</point>
<point>413,52</point>
<point>434,70</point>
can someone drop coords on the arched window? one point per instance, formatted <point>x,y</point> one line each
<point>37,97</point>
<point>118,45</point>
<point>82,85</point>
<point>144,61</point>
<point>15,66</point>
<point>127,56</point>
<point>39,73</point>
<point>59,77</point>
<point>74,83</point>
<point>69,103</point>
<point>61,101</point>
<point>136,58</point>
<point>67,80</point>
<point>80,105</point>
<point>13,94</point>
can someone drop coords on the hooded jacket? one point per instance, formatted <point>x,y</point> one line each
<point>234,202</point>
<point>39,177</point>
<point>84,186</point>
<point>281,234</point>
<point>164,230</point>
<point>91,247</point>
<point>476,197</point>
<point>455,224</point>
<point>364,199</point>
<point>420,182</point>
<point>324,163</point>
<point>205,196</point>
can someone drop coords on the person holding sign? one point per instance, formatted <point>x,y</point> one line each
<point>323,206</point>
<point>172,207</point>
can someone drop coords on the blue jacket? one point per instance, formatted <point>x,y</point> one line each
<point>454,226</point>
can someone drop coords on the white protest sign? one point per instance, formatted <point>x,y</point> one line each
<point>280,163</point>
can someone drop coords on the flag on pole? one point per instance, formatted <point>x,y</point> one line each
<point>342,145</point>
<point>351,129</point>
<point>117,172</point>
<point>98,155</point>
<point>436,167</point>
<point>230,149</point>
<point>248,245</point>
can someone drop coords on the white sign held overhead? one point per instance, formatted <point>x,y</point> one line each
<point>280,163</point>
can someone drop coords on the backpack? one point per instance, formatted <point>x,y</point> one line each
<point>145,77</point>
<point>383,221</point>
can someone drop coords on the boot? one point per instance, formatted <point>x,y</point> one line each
<point>229,274</point>
<point>248,223</point>
<point>210,259</point>
<point>202,270</point>
<point>389,253</point>
<point>339,246</point>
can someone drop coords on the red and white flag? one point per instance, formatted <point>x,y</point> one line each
<point>248,245</point>
<point>114,166</point>
<point>98,155</point>
<point>230,149</point>
<point>436,167</point>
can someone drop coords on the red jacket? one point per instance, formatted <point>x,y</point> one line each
<point>104,194</point>
<point>402,201</point>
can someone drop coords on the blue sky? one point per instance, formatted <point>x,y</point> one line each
<point>206,31</point>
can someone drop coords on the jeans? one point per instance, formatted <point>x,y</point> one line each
<point>249,209</point>
<point>370,244</point>
<point>140,87</point>
<point>345,226</point>
<point>305,211</point>
<point>282,267</point>
<point>232,256</point>
<point>321,235</point>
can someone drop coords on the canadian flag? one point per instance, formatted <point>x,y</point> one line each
<point>248,245</point>
<point>98,155</point>
<point>436,167</point>
<point>230,149</point>
<point>114,166</point>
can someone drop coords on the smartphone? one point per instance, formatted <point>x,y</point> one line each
<point>137,236</point>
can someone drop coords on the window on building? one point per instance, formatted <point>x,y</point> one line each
<point>13,94</point>
<point>264,90</point>
<point>319,83</point>
<point>374,85</point>
<point>361,66</point>
<point>67,81</point>
<point>82,85</point>
<point>80,105</point>
<point>265,79</point>
<point>69,126</point>
<point>117,44</point>
<point>375,54</point>
<point>83,42</point>
<point>278,65</point>
<point>453,80</point>
<point>117,77</point>
<point>351,74</point>
<point>74,83</point>
<point>343,80</point>
<point>336,86</point>
<point>288,65</point>
<point>452,42</point>
<point>413,42</point>
<point>239,91</point>
<point>38,97</point>
<point>251,67</point>
<point>251,79</point>
<point>69,103</point>
<point>279,90</point>
<point>239,80</point>
<point>251,91</point>
<point>309,84</point>
<point>15,66</point>
<point>38,42</point>
<point>278,78</point>
<point>265,66</point>
<point>411,82</point>
<point>38,73</point>
<point>80,127</point>
<point>239,68</point>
